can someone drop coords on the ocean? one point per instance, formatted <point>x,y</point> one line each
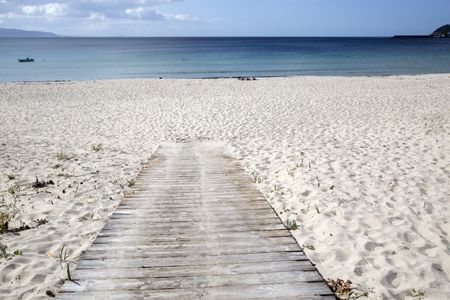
<point>107,58</point>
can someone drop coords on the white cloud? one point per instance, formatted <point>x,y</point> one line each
<point>91,9</point>
<point>47,10</point>
<point>144,13</point>
<point>180,17</point>
<point>97,17</point>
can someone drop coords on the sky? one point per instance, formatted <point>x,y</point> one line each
<point>226,17</point>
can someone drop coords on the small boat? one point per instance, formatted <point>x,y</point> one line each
<point>25,60</point>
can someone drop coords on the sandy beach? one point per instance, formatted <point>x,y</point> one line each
<point>361,164</point>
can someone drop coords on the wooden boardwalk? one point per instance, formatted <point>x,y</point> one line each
<point>195,228</point>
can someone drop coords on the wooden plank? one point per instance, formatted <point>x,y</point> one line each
<point>195,218</point>
<point>240,208</point>
<point>193,282</point>
<point>191,227</point>
<point>151,230</point>
<point>223,207</point>
<point>197,235</point>
<point>134,252</point>
<point>184,222</point>
<point>211,200</point>
<point>191,205</point>
<point>189,194</point>
<point>194,233</point>
<point>193,270</point>
<point>195,247</point>
<point>225,292</point>
<point>200,240</point>
<point>200,212</point>
<point>193,259</point>
<point>238,242</point>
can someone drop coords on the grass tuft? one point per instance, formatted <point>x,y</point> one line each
<point>255,177</point>
<point>42,184</point>
<point>97,147</point>
<point>13,190</point>
<point>64,259</point>
<point>291,225</point>
<point>62,155</point>
<point>131,183</point>
<point>417,293</point>
<point>4,254</point>
<point>5,218</point>
<point>345,290</point>
<point>308,246</point>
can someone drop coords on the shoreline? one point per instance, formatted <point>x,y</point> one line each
<point>360,163</point>
<point>220,78</point>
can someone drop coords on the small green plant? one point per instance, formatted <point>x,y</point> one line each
<point>11,176</point>
<point>8,255</point>
<point>317,209</point>
<point>345,290</point>
<point>417,293</point>
<point>291,225</point>
<point>97,147</point>
<point>42,184</point>
<point>302,162</point>
<point>309,246</point>
<point>40,222</point>
<point>64,259</point>
<point>131,182</point>
<point>65,175</point>
<point>291,171</point>
<point>62,155</point>
<point>3,253</point>
<point>255,177</point>
<point>5,218</point>
<point>13,190</point>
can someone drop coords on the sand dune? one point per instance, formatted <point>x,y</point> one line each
<point>360,163</point>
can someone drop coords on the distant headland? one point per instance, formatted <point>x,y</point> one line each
<point>17,33</point>
<point>441,32</point>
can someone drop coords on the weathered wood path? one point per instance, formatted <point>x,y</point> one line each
<point>195,228</point>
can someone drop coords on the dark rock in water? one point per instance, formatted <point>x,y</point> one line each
<point>245,78</point>
<point>442,32</point>
<point>22,60</point>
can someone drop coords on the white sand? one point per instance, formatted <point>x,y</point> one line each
<point>362,164</point>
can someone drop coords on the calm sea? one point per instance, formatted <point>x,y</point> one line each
<point>103,58</point>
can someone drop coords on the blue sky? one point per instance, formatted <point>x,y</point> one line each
<point>226,17</point>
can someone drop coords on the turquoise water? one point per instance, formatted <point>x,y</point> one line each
<point>104,58</point>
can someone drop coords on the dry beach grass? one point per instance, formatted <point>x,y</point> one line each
<point>360,165</point>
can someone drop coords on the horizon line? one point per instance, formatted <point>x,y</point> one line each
<point>201,36</point>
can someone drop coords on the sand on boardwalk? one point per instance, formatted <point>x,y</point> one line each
<point>360,163</point>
